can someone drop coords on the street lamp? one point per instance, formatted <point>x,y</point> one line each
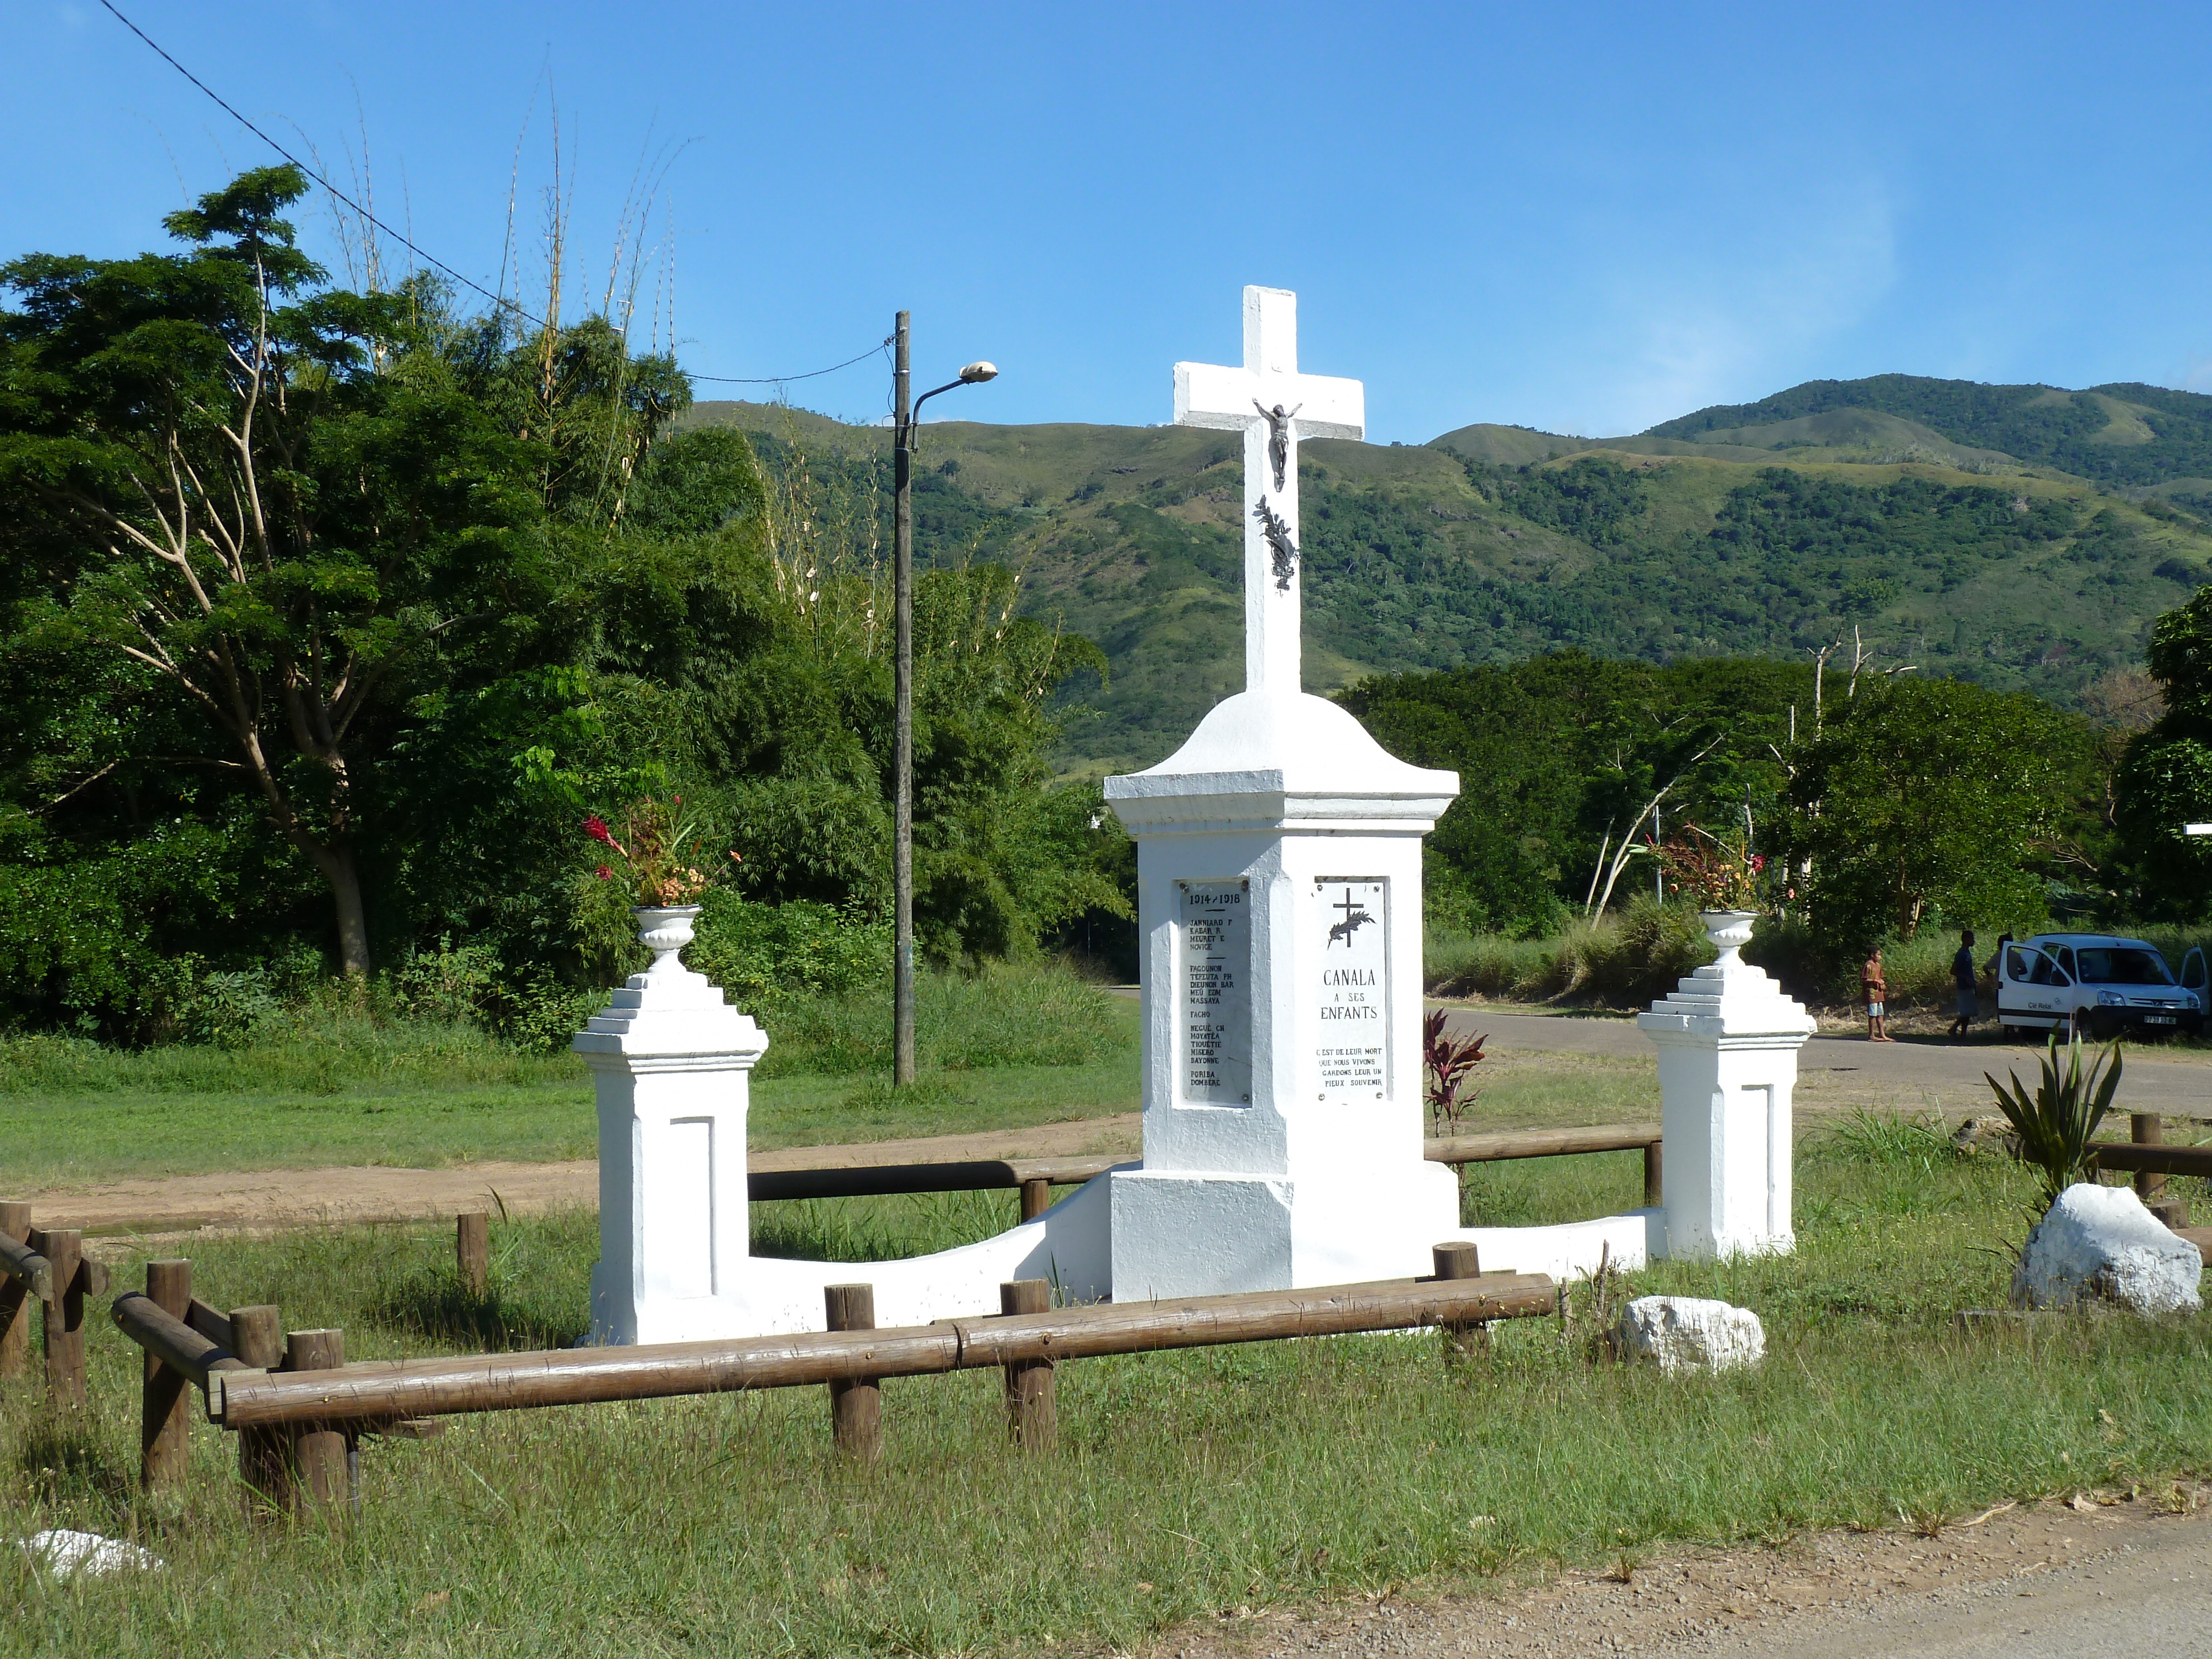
<point>906,415</point>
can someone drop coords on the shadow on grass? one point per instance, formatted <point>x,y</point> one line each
<point>66,1463</point>
<point>879,1228</point>
<point>438,1306</point>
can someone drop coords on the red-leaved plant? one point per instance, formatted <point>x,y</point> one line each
<point>648,836</point>
<point>1448,1061</point>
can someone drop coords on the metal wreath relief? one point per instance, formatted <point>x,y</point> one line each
<point>1279,544</point>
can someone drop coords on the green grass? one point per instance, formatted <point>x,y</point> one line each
<point>1188,1485</point>
<point>1005,1050</point>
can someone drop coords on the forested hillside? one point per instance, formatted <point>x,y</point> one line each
<point>1496,543</point>
<point>2126,434</point>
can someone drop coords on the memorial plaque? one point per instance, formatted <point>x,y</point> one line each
<point>1213,976</point>
<point>1347,918</point>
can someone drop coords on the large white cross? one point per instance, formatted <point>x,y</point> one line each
<point>1245,400</point>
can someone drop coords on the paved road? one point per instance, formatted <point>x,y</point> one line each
<point>2150,1596</point>
<point>2181,1086</point>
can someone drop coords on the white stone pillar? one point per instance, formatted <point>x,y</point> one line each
<point>671,1062</point>
<point>1727,1041</point>
<point>1280,907</point>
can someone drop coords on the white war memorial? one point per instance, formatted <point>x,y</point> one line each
<point>1280,917</point>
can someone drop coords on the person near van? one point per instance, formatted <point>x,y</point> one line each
<point>1962,975</point>
<point>1877,991</point>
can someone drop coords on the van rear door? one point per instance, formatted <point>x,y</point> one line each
<point>2032,989</point>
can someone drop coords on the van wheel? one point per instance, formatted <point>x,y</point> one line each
<point>2104,1027</point>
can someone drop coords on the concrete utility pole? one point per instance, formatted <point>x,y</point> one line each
<point>906,414</point>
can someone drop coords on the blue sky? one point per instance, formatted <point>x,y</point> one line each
<point>1582,219</point>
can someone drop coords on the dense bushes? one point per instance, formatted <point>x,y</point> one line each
<point>1619,960</point>
<point>499,588</point>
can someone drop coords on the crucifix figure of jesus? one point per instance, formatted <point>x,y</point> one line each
<point>1274,406</point>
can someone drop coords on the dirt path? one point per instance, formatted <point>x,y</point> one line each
<point>1837,1073</point>
<point>1841,1069</point>
<point>2053,1579</point>
<point>274,1198</point>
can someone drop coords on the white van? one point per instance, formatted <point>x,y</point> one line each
<point>2097,985</point>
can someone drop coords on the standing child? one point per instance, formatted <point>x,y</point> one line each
<point>1962,975</point>
<point>1876,990</point>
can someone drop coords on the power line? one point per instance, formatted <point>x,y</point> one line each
<point>427,258</point>
<point>778,380</point>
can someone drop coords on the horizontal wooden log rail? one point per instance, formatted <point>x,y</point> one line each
<point>571,1376</point>
<point>2153,1159</point>
<point>176,1345</point>
<point>887,1180</point>
<point>985,1175</point>
<point>28,1269</point>
<point>24,1265</point>
<point>1542,1143</point>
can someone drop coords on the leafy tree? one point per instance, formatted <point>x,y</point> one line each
<point>2165,780</point>
<point>1559,759</point>
<point>1921,796</point>
<point>233,496</point>
<point>1593,497</point>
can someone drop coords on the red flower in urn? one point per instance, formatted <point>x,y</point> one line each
<point>651,844</point>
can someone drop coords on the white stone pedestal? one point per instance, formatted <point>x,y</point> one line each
<point>1727,1041</point>
<point>671,1062</point>
<point>1278,861</point>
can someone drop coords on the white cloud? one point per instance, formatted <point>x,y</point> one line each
<point>1732,318</point>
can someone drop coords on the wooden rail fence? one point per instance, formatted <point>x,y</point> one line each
<point>50,1268</point>
<point>300,1411</point>
<point>1035,1178</point>
<point>300,1419</point>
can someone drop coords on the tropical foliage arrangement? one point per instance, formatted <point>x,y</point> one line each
<point>1720,872</point>
<point>2057,1123</point>
<point>650,843</point>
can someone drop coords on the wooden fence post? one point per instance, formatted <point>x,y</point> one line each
<point>318,1453</point>
<point>65,1315</point>
<point>2148,1129</point>
<point>472,1250</point>
<point>1036,1199</point>
<point>14,1299</point>
<point>257,1339</point>
<point>165,1423</point>
<point>1459,1259</point>
<point>1654,1185</point>
<point>1032,1411</point>
<point>856,1408</point>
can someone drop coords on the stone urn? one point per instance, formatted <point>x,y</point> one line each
<point>1729,930</point>
<point>665,933</point>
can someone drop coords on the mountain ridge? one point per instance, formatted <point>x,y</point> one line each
<point>1492,543</point>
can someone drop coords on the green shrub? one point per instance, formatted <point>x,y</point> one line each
<point>1016,1014</point>
<point>1623,959</point>
<point>769,954</point>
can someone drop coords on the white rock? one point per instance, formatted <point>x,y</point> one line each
<point>2098,1244</point>
<point>64,1554</point>
<point>1688,1333</point>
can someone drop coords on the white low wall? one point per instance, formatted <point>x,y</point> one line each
<point>1069,1245</point>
